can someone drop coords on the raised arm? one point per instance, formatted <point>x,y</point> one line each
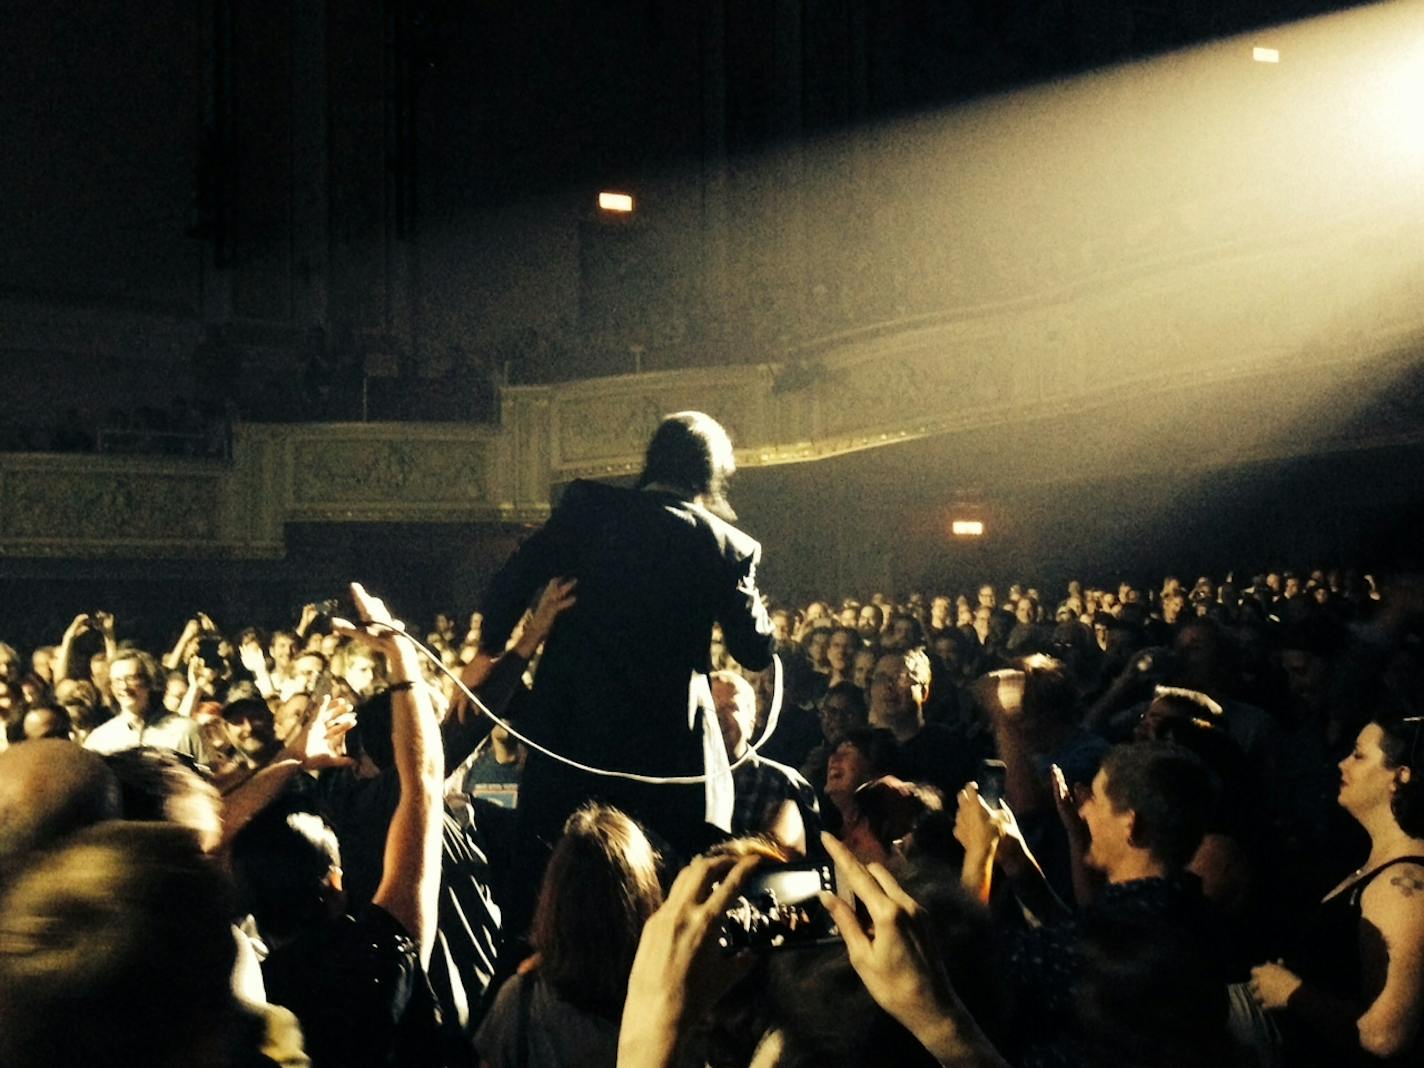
<point>63,669</point>
<point>495,679</point>
<point>173,659</point>
<point>320,744</point>
<point>410,877</point>
<point>1086,882</point>
<point>1001,693</point>
<point>992,836</point>
<point>105,622</point>
<point>900,965</point>
<point>194,690</point>
<point>539,558</point>
<point>255,661</point>
<point>679,973</point>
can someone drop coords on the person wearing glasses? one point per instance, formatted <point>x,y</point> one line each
<point>934,753</point>
<point>1352,991</point>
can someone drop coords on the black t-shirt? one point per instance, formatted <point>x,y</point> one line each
<point>467,926</point>
<point>942,756</point>
<point>359,992</point>
<point>1050,968</point>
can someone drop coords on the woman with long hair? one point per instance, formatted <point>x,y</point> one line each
<point>565,1005</point>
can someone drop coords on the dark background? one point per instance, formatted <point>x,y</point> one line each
<point>199,197</point>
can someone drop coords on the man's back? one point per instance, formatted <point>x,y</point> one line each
<point>654,571</point>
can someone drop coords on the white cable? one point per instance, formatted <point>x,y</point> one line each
<point>772,716</point>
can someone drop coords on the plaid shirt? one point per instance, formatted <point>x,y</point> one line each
<point>760,786</point>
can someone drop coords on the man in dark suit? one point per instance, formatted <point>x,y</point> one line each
<point>622,684</point>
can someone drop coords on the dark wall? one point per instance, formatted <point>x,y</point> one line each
<point>868,522</point>
<point>417,179</point>
<point>101,113</point>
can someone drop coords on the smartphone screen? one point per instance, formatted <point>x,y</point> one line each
<point>778,908</point>
<point>991,782</point>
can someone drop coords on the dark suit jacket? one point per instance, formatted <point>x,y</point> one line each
<point>654,571</point>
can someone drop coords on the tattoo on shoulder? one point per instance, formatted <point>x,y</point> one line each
<point>1408,885</point>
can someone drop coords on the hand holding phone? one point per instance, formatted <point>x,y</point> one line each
<point>992,778</point>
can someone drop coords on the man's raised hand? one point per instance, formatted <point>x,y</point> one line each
<point>321,742</point>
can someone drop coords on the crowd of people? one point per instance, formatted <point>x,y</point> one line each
<point>1170,825</point>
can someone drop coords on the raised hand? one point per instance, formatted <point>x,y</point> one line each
<point>321,741</point>
<point>894,956</point>
<point>977,827</point>
<point>376,628</point>
<point>555,599</point>
<point>679,972</point>
<point>900,966</point>
<point>1067,808</point>
<point>252,657</point>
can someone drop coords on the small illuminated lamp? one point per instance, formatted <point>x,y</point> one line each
<point>967,528</point>
<point>1266,55</point>
<point>619,203</point>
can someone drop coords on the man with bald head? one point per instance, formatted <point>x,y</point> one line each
<point>48,790</point>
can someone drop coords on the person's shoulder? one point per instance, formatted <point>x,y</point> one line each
<point>373,947</point>
<point>375,923</point>
<point>499,1029</point>
<point>582,488</point>
<point>1399,888</point>
<point>108,731</point>
<point>509,993</point>
<point>182,726</point>
<point>786,771</point>
<point>583,493</point>
<point>733,541</point>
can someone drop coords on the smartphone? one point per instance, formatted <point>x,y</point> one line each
<point>992,774</point>
<point>323,689</point>
<point>778,908</point>
<point>209,654</point>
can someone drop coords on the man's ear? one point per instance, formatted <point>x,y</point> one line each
<point>1130,822</point>
<point>1403,774</point>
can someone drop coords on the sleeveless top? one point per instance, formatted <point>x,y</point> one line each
<point>1328,956</point>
